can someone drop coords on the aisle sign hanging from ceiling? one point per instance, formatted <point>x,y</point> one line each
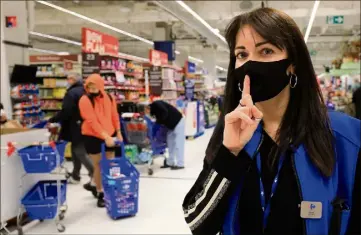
<point>190,67</point>
<point>167,47</point>
<point>335,19</point>
<point>158,58</point>
<point>97,42</point>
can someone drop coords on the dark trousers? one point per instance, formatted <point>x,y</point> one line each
<point>79,157</point>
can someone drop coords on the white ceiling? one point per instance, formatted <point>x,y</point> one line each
<point>140,18</point>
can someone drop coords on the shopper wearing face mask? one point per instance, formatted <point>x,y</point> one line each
<point>278,162</point>
<point>100,124</point>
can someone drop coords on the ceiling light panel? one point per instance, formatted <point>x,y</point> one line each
<point>96,22</point>
<point>200,19</point>
<point>55,38</point>
<point>195,59</point>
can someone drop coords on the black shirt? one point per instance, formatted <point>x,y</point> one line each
<point>284,217</point>
<point>356,99</point>
<point>165,114</point>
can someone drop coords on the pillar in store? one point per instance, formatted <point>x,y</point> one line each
<point>209,65</point>
<point>23,12</point>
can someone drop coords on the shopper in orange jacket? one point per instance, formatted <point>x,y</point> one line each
<point>100,124</point>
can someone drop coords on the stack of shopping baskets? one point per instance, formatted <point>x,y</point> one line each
<point>121,185</point>
<point>47,198</point>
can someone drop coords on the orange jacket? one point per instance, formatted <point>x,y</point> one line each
<point>103,115</point>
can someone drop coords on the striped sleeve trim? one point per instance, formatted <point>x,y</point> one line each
<point>207,201</point>
<point>202,194</point>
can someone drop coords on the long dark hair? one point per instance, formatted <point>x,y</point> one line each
<point>305,120</point>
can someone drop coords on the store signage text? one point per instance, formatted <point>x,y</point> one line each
<point>97,42</point>
<point>158,58</point>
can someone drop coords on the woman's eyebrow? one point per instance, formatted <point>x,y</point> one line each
<point>257,45</point>
<point>240,47</point>
<point>261,43</point>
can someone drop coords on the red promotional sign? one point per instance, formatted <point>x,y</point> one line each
<point>52,58</point>
<point>158,58</point>
<point>68,65</point>
<point>97,42</point>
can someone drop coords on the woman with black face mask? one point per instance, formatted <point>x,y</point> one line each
<point>100,124</point>
<point>278,162</point>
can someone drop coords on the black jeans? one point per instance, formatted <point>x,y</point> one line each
<point>79,157</point>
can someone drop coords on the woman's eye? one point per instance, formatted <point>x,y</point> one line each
<point>267,51</point>
<point>241,55</point>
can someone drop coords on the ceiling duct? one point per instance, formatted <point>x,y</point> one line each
<point>177,11</point>
<point>245,5</point>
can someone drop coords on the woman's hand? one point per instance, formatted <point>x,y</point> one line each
<point>241,123</point>
<point>109,141</point>
<point>119,136</point>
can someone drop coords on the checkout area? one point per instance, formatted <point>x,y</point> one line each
<point>14,181</point>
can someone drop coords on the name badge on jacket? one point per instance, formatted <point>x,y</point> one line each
<point>311,210</point>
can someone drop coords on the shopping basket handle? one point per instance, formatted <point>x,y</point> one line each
<point>117,143</point>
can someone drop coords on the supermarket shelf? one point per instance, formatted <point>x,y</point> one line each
<point>57,77</point>
<point>169,89</point>
<point>51,98</point>
<point>168,98</point>
<point>51,110</point>
<point>44,87</point>
<point>127,88</point>
<point>107,71</point>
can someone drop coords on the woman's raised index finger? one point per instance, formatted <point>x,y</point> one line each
<point>246,86</point>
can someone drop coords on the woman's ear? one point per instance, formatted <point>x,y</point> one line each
<point>291,69</point>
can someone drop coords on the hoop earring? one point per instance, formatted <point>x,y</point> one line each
<point>239,87</point>
<point>293,77</point>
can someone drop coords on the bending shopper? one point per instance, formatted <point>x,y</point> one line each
<point>171,118</point>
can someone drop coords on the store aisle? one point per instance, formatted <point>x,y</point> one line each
<point>160,210</point>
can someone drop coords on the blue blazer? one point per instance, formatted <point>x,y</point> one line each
<point>315,187</point>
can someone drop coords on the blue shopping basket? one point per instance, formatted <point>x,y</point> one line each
<point>158,136</point>
<point>41,158</point>
<point>41,202</point>
<point>120,194</point>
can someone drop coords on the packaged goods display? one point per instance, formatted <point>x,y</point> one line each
<point>26,104</point>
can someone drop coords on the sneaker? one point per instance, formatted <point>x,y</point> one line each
<point>177,167</point>
<point>101,202</point>
<point>71,179</point>
<point>91,188</point>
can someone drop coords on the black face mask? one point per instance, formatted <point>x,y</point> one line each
<point>268,79</point>
<point>93,95</point>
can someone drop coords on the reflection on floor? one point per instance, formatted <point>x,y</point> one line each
<point>161,197</point>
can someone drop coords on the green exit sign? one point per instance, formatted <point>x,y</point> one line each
<point>335,19</point>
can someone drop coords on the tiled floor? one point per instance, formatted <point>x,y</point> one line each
<point>161,197</point>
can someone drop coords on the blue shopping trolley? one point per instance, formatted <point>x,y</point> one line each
<point>121,185</point>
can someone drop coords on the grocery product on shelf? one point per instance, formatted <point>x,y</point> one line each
<point>26,104</point>
<point>123,78</point>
